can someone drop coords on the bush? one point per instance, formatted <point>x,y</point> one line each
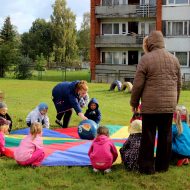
<point>23,69</point>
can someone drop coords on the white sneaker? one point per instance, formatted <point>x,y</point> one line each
<point>107,170</point>
<point>95,170</point>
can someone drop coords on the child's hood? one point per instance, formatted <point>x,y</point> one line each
<point>101,139</point>
<point>95,101</point>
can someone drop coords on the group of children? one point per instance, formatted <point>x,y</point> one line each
<point>102,152</point>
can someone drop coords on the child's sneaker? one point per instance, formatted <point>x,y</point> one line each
<point>96,170</point>
<point>182,161</point>
<point>107,170</point>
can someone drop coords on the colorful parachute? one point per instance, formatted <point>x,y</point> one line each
<point>63,147</point>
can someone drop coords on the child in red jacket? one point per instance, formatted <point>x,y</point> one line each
<point>102,152</point>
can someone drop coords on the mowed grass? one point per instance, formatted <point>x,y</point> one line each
<point>23,96</point>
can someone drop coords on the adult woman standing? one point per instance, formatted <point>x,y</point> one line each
<point>65,96</point>
<point>157,84</point>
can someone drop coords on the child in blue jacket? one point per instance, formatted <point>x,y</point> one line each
<point>93,111</point>
<point>181,136</point>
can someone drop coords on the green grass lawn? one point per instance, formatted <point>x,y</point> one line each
<point>23,96</point>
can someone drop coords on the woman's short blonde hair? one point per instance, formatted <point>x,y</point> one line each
<point>82,85</point>
<point>35,128</point>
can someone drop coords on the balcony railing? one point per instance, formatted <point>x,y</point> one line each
<point>125,11</point>
<point>130,40</point>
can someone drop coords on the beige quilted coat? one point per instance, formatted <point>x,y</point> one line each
<point>157,80</point>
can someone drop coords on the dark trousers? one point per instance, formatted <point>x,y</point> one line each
<point>150,123</point>
<point>66,117</point>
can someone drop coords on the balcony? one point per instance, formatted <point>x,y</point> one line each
<point>133,40</point>
<point>125,11</point>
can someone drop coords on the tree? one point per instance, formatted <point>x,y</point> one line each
<point>9,47</point>
<point>23,69</point>
<point>64,33</point>
<point>84,38</point>
<point>7,33</point>
<point>38,40</point>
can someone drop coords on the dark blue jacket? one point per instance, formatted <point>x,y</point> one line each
<point>94,115</point>
<point>65,97</point>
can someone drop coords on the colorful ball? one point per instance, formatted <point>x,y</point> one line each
<point>87,129</point>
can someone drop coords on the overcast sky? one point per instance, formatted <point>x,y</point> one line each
<point>24,12</point>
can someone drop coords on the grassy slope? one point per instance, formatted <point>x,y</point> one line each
<point>22,96</point>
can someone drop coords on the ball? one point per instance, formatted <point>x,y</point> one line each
<point>87,129</point>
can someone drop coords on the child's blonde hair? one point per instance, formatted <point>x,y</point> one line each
<point>35,129</point>
<point>4,128</point>
<point>181,114</point>
<point>102,130</point>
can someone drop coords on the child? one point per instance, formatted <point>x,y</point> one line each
<point>5,115</point>
<point>93,112</point>
<point>102,152</point>
<point>130,150</point>
<point>181,136</point>
<point>39,114</point>
<point>30,150</point>
<point>4,126</point>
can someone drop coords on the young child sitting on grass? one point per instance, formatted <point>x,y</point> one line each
<point>4,126</point>
<point>130,149</point>
<point>39,114</point>
<point>93,111</point>
<point>30,151</point>
<point>181,136</point>
<point>5,115</point>
<point>102,152</point>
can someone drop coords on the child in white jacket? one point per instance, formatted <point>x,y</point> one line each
<point>39,114</point>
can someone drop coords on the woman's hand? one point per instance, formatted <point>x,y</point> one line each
<point>81,115</point>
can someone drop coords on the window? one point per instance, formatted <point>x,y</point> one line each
<point>177,28</point>
<point>116,28</point>
<point>107,57</point>
<point>106,29</point>
<point>152,27</point>
<point>123,28</point>
<point>178,2</point>
<point>142,28</point>
<point>116,2</point>
<point>115,57</point>
<point>110,28</point>
<point>106,2</point>
<point>182,57</point>
<point>124,61</point>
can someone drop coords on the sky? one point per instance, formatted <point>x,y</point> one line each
<point>24,12</point>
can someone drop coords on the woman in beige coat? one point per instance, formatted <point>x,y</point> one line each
<point>157,84</point>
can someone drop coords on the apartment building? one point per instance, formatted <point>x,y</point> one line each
<point>118,27</point>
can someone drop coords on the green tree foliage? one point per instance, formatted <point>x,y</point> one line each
<point>38,40</point>
<point>83,39</point>
<point>23,69</point>
<point>7,33</point>
<point>40,63</point>
<point>9,47</point>
<point>64,33</point>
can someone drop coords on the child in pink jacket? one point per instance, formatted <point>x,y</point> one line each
<point>30,150</point>
<point>4,126</point>
<point>102,152</point>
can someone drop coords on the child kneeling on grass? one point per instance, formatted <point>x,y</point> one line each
<point>102,152</point>
<point>39,114</point>
<point>181,136</point>
<point>30,151</point>
<point>4,126</point>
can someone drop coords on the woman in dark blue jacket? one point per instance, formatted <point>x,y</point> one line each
<point>65,96</point>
